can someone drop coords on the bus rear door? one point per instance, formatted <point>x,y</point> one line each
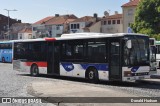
<point>53,58</point>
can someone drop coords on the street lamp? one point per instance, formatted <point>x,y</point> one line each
<point>8,19</point>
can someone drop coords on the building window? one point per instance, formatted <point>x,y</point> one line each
<point>109,22</point>
<point>118,21</point>
<point>77,26</point>
<point>34,28</point>
<point>130,12</point>
<point>57,28</point>
<point>113,21</point>
<point>74,26</point>
<point>104,23</point>
<point>20,36</point>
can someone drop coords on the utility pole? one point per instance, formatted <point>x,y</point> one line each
<point>9,21</point>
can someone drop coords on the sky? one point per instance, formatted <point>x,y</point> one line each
<point>31,11</point>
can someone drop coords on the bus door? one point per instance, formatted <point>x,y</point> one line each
<point>115,70</point>
<point>53,58</point>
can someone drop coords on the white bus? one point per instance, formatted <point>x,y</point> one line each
<point>153,52</point>
<point>94,56</point>
<point>158,54</point>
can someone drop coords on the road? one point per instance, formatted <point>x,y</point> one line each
<point>15,84</point>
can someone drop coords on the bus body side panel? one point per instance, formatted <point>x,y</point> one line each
<point>26,66</point>
<point>79,70</point>
<point>137,73</point>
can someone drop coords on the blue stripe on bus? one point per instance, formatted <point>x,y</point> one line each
<point>69,66</point>
<point>102,67</point>
<point>135,68</point>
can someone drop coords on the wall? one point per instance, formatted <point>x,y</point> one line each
<point>128,17</point>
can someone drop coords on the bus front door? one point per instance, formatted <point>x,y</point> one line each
<point>114,63</point>
<point>53,59</point>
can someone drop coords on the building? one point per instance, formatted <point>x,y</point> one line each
<point>86,24</point>
<point>112,23</point>
<point>128,13</point>
<point>26,33</point>
<point>38,28</point>
<point>53,26</point>
<point>60,24</point>
<point>4,26</point>
<point>16,28</point>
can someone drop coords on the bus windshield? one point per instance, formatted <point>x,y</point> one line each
<point>138,54</point>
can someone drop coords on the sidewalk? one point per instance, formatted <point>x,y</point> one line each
<point>62,88</point>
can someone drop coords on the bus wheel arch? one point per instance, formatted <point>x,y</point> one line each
<point>92,74</point>
<point>34,70</point>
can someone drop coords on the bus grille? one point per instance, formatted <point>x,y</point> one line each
<point>16,65</point>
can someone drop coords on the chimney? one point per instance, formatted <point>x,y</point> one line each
<point>106,13</point>
<point>116,12</point>
<point>95,15</point>
<point>56,15</point>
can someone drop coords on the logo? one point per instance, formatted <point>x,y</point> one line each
<point>6,100</point>
<point>134,69</point>
<point>68,66</point>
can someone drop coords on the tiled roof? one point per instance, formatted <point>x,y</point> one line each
<point>131,3</point>
<point>116,16</point>
<point>43,20</point>
<point>26,30</point>
<point>83,19</point>
<point>61,20</point>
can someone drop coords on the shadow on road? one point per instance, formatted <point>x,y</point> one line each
<point>137,84</point>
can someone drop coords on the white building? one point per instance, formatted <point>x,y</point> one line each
<point>26,33</point>
<point>53,26</point>
<point>112,24</point>
<point>85,24</point>
<point>129,13</point>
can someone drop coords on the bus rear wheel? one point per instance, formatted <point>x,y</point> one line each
<point>34,70</point>
<point>92,75</point>
<point>3,60</point>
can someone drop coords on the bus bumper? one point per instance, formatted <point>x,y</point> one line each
<point>134,78</point>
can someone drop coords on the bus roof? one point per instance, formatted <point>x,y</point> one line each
<point>79,36</point>
<point>6,41</point>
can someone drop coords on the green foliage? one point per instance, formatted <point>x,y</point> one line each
<point>147,18</point>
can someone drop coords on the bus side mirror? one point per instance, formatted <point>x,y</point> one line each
<point>129,44</point>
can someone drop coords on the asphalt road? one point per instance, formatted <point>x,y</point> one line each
<point>14,84</point>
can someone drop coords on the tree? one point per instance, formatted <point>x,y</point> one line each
<point>147,18</point>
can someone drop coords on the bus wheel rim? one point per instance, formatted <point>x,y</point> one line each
<point>91,75</point>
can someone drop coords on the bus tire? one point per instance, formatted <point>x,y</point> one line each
<point>3,60</point>
<point>92,75</point>
<point>34,70</point>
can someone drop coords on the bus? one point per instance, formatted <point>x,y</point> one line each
<point>94,56</point>
<point>158,54</point>
<point>153,52</point>
<point>6,51</point>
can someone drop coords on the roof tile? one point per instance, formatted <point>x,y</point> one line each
<point>116,16</point>
<point>43,20</point>
<point>131,3</point>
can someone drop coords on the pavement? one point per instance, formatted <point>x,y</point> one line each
<point>77,89</point>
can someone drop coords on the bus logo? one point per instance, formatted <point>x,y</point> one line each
<point>68,66</point>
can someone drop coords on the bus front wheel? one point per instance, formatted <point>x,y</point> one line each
<point>34,70</point>
<point>92,75</point>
